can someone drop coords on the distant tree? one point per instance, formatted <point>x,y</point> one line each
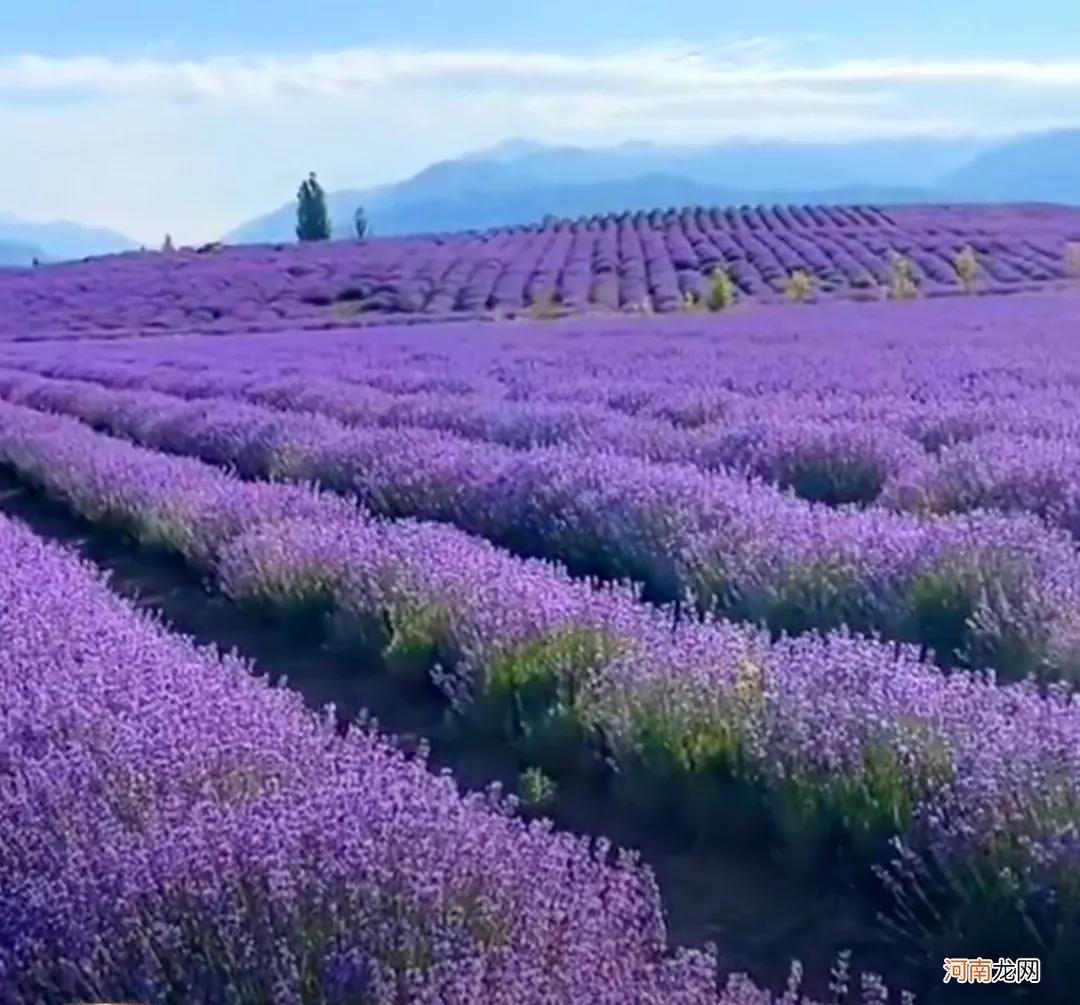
<point>35,262</point>
<point>167,244</point>
<point>360,223</point>
<point>312,223</point>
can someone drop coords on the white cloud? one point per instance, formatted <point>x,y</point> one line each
<point>751,63</point>
<point>156,143</point>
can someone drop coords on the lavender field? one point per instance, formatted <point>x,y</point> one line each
<point>795,588</point>
<point>658,261</point>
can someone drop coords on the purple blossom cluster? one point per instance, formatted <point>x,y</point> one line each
<point>652,260</point>
<point>836,462</point>
<point>816,737</point>
<point>981,590</point>
<point>859,470</point>
<point>999,470</point>
<point>172,828</point>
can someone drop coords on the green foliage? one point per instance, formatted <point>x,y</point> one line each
<point>968,269</point>
<point>851,815</point>
<point>819,596</point>
<point>535,693</point>
<point>312,222</point>
<point>421,636</point>
<point>536,790</point>
<point>974,612</point>
<point>902,285</point>
<point>360,223</point>
<point>941,605</point>
<point>799,286</point>
<point>835,481</point>
<point>302,592</point>
<point>721,289</point>
<point>690,765</point>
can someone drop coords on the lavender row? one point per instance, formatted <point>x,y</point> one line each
<point>835,462</point>
<point>661,419</point>
<point>1002,471</point>
<point>814,738</point>
<point>600,264</point>
<point>978,351</point>
<point>935,380</point>
<point>992,348</point>
<point>173,828</point>
<point>980,590</point>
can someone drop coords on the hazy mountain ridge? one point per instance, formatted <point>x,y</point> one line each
<point>521,181</point>
<point>1043,168</point>
<point>19,253</point>
<point>60,240</point>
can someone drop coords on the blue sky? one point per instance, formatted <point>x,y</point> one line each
<point>941,28</point>
<point>191,116</point>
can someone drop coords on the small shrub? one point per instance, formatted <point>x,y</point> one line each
<point>902,285</point>
<point>544,306</point>
<point>536,790</point>
<point>1072,259</point>
<point>799,286</point>
<point>968,269</point>
<point>721,289</point>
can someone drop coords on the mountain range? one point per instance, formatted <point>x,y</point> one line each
<point>23,240</point>
<point>19,253</point>
<point>522,181</point>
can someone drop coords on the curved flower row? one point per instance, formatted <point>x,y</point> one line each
<point>984,590</point>
<point>606,263</point>
<point>1004,471</point>
<point>836,448</point>
<point>828,745</point>
<point>172,828</point>
<point>855,451</point>
<point>834,462</point>
<point>945,374</point>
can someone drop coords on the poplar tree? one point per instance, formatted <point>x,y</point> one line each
<point>312,223</point>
